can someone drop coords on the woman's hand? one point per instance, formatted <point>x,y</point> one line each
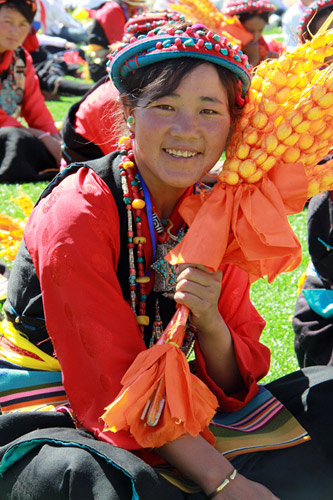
<point>244,489</point>
<point>53,144</point>
<point>199,289</point>
<point>252,51</point>
<point>201,462</point>
<point>51,141</point>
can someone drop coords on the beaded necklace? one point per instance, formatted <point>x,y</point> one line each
<point>136,198</point>
<point>11,87</point>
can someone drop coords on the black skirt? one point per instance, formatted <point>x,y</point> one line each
<point>42,455</point>
<point>24,158</point>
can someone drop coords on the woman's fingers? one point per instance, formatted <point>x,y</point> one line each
<point>198,289</point>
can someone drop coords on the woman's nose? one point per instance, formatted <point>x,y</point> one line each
<point>13,29</point>
<point>186,125</point>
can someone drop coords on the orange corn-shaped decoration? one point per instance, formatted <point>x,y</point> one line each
<point>288,117</point>
<point>24,202</point>
<point>206,13</point>
<point>320,178</point>
<point>9,225</point>
<point>203,11</point>
<point>11,230</point>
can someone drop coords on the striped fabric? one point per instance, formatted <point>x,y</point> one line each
<point>15,348</point>
<point>30,390</point>
<point>263,424</point>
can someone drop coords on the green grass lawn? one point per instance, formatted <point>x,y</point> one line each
<point>275,301</point>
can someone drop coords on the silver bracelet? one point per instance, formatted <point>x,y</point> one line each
<point>222,485</point>
<point>44,134</point>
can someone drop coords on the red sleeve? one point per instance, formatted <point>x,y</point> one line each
<point>245,325</point>
<point>96,118</point>
<point>7,120</point>
<point>112,19</point>
<point>34,109</point>
<point>73,239</point>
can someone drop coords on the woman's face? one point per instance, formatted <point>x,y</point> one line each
<point>14,28</point>
<point>181,136</point>
<point>255,25</point>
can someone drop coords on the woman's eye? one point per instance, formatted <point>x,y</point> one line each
<point>209,111</point>
<point>165,107</point>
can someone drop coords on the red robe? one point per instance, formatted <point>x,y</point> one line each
<point>73,239</point>
<point>95,118</point>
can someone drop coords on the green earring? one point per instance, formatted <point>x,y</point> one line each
<point>130,120</point>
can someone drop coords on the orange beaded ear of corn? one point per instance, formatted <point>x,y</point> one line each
<point>11,229</point>
<point>288,118</point>
<point>205,12</point>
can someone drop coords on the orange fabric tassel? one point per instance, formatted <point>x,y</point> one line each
<point>188,403</point>
<point>245,225</point>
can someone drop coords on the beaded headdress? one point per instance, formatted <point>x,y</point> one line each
<point>30,3</point>
<point>196,41</point>
<point>310,13</point>
<point>137,2</point>
<point>151,20</point>
<point>236,7</point>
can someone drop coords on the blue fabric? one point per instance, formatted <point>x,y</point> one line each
<point>320,301</point>
<point>21,378</point>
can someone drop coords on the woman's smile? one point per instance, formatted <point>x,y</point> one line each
<point>179,137</point>
<point>182,154</point>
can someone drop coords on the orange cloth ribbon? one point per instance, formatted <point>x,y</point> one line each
<point>188,403</point>
<point>245,225</point>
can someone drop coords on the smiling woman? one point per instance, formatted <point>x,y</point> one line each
<point>191,125</point>
<point>29,153</point>
<point>91,286</point>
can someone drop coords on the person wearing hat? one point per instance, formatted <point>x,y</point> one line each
<point>313,18</point>
<point>254,15</point>
<point>312,321</point>
<point>290,22</point>
<point>313,317</point>
<point>32,152</point>
<point>109,20</point>
<point>90,292</point>
<point>91,127</point>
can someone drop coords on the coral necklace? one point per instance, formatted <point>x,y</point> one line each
<point>136,198</point>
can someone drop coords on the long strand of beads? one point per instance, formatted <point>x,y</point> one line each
<point>135,203</point>
<point>157,328</point>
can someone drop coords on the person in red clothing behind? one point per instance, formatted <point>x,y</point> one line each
<point>107,28</point>
<point>253,15</point>
<point>92,125</point>
<point>33,152</point>
<point>90,285</point>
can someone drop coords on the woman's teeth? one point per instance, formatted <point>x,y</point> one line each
<point>183,154</point>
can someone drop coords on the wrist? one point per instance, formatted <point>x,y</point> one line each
<point>43,135</point>
<point>218,473</point>
<point>222,485</point>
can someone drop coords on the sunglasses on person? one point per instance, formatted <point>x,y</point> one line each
<point>31,3</point>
